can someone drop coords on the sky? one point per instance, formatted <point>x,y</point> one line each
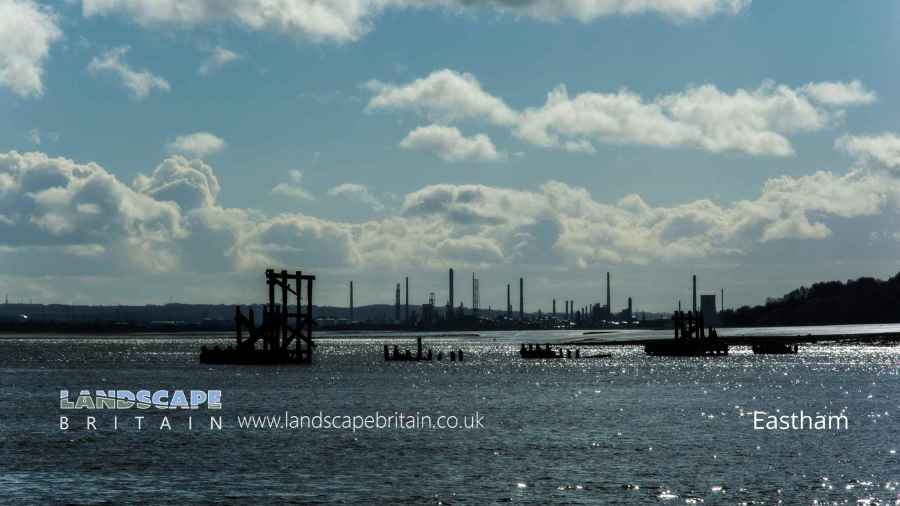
<point>157,150</point>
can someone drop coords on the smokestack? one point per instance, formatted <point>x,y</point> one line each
<point>608,294</point>
<point>521,298</point>
<point>508,302</point>
<point>694,293</point>
<point>629,308</point>
<point>723,300</point>
<point>351,301</point>
<point>474,295</point>
<point>397,303</point>
<point>554,307</point>
<point>407,298</point>
<point>451,290</point>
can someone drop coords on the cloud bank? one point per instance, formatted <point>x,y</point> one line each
<point>349,20</point>
<point>751,121</point>
<point>79,214</point>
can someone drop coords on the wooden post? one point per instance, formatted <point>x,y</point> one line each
<point>238,325</point>
<point>263,328</point>
<point>309,318</point>
<point>284,308</point>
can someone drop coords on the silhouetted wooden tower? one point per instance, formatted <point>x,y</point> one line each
<point>284,335</point>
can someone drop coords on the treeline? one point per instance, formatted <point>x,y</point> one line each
<point>865,300</point>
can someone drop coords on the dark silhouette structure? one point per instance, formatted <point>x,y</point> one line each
<point>450,302</point>
<point>407,356</point>
<point>775,348</point>
<point>522,299</point>
<point>691,338</point>
<point>284,336</point>
<point>536,351</point>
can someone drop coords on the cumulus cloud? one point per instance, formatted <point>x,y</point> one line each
<point>349,20</point>
<point>27,30</point>
<point>189,183</point>
<point>82,208</point>
<point>197,144</point>
<point>60,215</point>
<point>883,149</point>
<point>756,121</point>
<point>218,58</point>
<point>357,192</point>
<point>839,93</point>
<point>450,144</point>
<point>565,222</point>
<point>294,188</point>
<point>443,95</point>
<point>139,83</point>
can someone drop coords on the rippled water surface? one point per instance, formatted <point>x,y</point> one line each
<point>629,429</point>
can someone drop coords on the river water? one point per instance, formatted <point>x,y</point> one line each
<point>628,429</point>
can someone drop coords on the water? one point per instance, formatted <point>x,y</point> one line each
<point>626,430</point>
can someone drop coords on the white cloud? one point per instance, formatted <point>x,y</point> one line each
<point>218,58</point>
<point>57,215</point>
<point>139,83</point>
<point>589,10</point>
<point>197,144</point>
<point>451,145</point>
<point>756,122</point>
<point>883,149</point>
<point>444,95</point>
<point>349,20</point>
<point>27,30</point>
<point>80,208</point>
<point>839,93</point>
<point>189,183</point>
<point>564,224</point>
<point>357,192</point>
<point>294,188</point>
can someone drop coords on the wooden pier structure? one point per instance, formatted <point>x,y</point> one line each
<point>420,356</point>
<point>691,339</point>
<point>536,351</point>
<point>285,334</point>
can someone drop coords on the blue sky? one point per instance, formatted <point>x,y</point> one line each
<point>754,143</point>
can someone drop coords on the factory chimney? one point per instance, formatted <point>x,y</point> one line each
<point>474,294</point>
<point>450,304</point>
<point>407,298</point>
<point>521,298</point>
<point>694,293</point>
<point>351,302</point>
<point>397,304</point>
<point>608,295</point>
<point>508,302</point>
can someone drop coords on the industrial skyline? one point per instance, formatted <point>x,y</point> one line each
<point>594,309</point>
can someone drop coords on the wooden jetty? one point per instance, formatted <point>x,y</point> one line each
<point>774,348</point>
<point>285,334</point>
<point>691,339</point>
<point>396,355</point>
<point>535,351</point>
